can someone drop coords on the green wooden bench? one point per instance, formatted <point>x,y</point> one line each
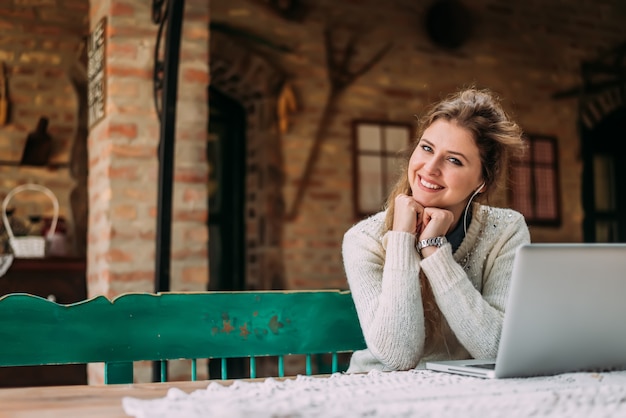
<point>167,326</point>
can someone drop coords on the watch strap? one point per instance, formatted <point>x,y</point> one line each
<point>432,242</point>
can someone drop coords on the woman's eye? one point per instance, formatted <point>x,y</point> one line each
<point>426,148</point>
<point>455,161</point>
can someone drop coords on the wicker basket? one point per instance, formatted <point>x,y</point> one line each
<point>30,246</point>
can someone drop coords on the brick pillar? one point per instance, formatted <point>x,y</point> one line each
<point>123,156</point>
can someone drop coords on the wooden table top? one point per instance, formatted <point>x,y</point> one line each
<point>91,401</point>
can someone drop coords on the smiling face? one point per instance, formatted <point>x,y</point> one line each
<point>445,167</point>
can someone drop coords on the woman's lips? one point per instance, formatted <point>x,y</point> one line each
<point>428,185</point>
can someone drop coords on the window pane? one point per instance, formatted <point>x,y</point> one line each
<point>543,151</point>
<point>396,138</point>
<point>368,137</point>
<point>521,198</point>
<point>379,150</point>
<point>370,191</point>
<point>545,193</point>
<point>392,171</point>
<point>534,187</point>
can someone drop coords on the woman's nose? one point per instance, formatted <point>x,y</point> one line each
<point>432,165</point>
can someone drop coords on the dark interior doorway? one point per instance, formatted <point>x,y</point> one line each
<point>604,188</point>
<point>226,158</point>
<point>226,151</point>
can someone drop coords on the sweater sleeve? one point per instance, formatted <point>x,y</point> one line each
<point>476,315</point>
<point>384,281</point>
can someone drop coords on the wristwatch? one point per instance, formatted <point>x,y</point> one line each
<point>431,242</point>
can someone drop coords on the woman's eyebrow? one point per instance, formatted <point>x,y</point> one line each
<point>430,144</point>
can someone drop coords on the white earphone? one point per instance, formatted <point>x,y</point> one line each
<point>478,189</point>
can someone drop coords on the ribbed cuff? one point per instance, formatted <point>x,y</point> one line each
<point>400,251</point>
<point>440,269</point>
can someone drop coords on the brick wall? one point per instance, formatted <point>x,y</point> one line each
<point>525,51</point>
<point>123,156</point>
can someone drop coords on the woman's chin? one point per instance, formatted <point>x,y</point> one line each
<point>426,199</point>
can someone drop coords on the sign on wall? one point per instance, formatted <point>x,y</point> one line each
<point>96,92</point>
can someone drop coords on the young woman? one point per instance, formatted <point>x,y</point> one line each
<point>430,275</point>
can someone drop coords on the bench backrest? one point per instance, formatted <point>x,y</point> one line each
<point>166,326</point>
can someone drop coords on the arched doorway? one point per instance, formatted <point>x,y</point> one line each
<point>244,76</point>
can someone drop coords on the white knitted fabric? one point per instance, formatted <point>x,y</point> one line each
<point>470,286</point>
<point>411,393</point>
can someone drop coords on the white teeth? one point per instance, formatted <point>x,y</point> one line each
<point>429,185</point>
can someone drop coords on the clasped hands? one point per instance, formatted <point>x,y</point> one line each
<point>424,222</point>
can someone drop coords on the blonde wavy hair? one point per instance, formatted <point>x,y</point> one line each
<point>498,139</point>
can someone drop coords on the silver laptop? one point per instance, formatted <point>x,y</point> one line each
<point>566,312</point>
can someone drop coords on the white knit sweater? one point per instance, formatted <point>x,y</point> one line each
<point>470,287</point>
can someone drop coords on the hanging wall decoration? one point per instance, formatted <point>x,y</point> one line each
<point>96,93</point>
<point>286,105</point>
<point>340,76</point>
